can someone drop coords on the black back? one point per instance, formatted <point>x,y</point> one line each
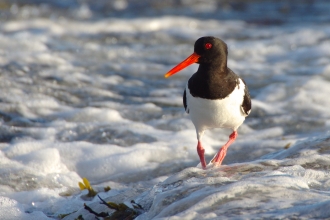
<point>247,100</point>
<point>185,101</point>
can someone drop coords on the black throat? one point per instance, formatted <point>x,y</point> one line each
<point>213,81</point>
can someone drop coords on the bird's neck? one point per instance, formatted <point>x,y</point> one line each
<point>213,69</point>
<point>212,82</point>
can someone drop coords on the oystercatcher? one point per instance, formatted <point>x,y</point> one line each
<point>214,97</point>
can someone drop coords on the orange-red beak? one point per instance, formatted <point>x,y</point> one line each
<point>193,58</point>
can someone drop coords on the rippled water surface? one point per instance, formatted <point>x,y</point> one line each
<point>82,94</point>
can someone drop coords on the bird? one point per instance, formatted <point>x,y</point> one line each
<point>214,96</point>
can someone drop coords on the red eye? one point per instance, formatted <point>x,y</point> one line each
<point>208,46</point>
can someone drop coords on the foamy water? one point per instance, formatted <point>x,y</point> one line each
<point>83,95</point>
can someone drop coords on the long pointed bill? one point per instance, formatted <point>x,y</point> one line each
<point>193,58</point>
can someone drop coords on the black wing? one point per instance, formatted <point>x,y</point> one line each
<point>185,101</point>
<point>246,105</point>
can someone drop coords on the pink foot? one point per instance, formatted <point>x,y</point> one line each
<point>217,160</point>
<point>200,151</point>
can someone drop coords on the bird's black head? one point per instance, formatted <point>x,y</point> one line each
<point>209,52</point>
<point>211,49</point>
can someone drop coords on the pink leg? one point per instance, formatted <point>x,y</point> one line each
<point>217,160</point>
<point>200,151</point>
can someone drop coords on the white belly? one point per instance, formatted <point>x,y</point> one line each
<point>223,113</point>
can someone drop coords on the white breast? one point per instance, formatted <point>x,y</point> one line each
<point>223,113</point>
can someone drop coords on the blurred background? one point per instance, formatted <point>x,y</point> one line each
<point>65,64</point>
<point>269,12</point>
<point>83,94</point>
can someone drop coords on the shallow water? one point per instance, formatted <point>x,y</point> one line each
<point>82,94</point>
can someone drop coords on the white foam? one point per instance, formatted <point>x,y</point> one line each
<point>88,99</point>
<point>11,209</point>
